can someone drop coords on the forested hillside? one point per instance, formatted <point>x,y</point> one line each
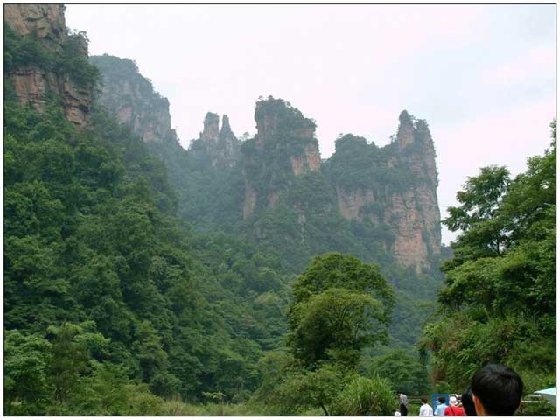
<point>108,302</point>
<point>245,277</point>
<point>272,190</point>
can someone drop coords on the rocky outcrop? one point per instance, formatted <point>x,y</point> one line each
<point>351,203</point>
<point>129,96</point>
<point>45,22</point>
<point>33,82</point>
<point>400,195</point>
<point>211,128</point>
<point>418,229</point>
<point>219,144</point>
<point>285,141</point>
<point>280,126</point>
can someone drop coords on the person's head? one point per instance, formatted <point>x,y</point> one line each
<point>496,390</point>
<point>441,400</point>
<point>425,400</point>
<point>467,401</point>
<point>453,400</point>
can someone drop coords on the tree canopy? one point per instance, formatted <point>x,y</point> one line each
<point>499,299</point>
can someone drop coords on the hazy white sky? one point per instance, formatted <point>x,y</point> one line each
<point>483,76</point>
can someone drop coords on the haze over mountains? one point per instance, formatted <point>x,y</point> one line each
<point>246,275</point>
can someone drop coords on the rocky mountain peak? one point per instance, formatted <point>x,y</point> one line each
<point>219,144</point>
<point>31,80</point>
<point>226,129</point>
<point>405,132</point>
<point>132,99</point>
<point>211,129</point>
<point>285,139</point>
<point>394,188</point>
<point>277,119</point>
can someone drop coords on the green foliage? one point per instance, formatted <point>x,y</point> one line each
<point>536,408</point>
<point>340,305</point>
<point>307,390</point>
<point>26,382</point>
<point>365,397</point>
<point>69,59</point>
<point>336,324</point>
<point>90,236</point>
<point>484,235</point>
<point>499,301</point>
<point>403,370</point>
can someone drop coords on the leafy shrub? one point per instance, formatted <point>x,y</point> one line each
<point>365,397</point>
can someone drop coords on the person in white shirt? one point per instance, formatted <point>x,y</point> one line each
<point>426,410</point>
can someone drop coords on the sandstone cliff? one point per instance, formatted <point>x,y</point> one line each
<point>418,228</point>
<point>46,22</point>
<point>394,188</point>
<point>219,144</point>
<point>387,194</point>
<point>54,69</point>
<point>283,148</point>
<point>131,98</point>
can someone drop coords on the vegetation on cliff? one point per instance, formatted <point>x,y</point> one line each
<point>21,51</point>
<point>133,285</point>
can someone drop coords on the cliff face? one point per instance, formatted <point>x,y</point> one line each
<point>44,21</point>
<point>285,147</point>
<point>132,99</point>
<point>418,228</point>
<point>389,194</point>
<point>219,144</point>
<point>33,80</point>
<point>399,193</point>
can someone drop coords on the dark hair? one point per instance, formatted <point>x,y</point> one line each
<point>424,399</point>
<point>468,403</point>
<point>498,388</point>
<point>441,399</point>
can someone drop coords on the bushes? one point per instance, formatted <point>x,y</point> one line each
<point>365,397</point>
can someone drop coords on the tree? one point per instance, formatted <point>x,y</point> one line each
<point>26,384</point>
<point>498,304</point>
<point>403,371</point>
<point>476,217</point>
<point>307,390</point>
<point>340,305</point>
<point>73,345</point>
<point>336,325</point>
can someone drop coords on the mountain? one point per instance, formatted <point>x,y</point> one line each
<point>378,203</point>
<point>144,279</point>
<point>394,187</point>
<point>134,101</point>
<point>110,303</point>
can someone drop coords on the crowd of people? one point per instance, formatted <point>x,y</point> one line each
<point>495,390</point>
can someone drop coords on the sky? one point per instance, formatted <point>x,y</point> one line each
<point>482,76</point>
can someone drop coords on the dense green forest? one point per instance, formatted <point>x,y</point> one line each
<point>116,303</point>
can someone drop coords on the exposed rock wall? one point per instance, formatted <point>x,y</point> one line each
<point>33,83</point>
<point>285,139</point>
<point>410,211</point>
<point>350,203</point>
<point>132,99</point>
<point>219,144</point>
<point>44,21</point>
<point>418,231</point>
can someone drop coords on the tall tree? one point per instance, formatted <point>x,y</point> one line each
<point>498,303</point>
<point>340,305</point>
